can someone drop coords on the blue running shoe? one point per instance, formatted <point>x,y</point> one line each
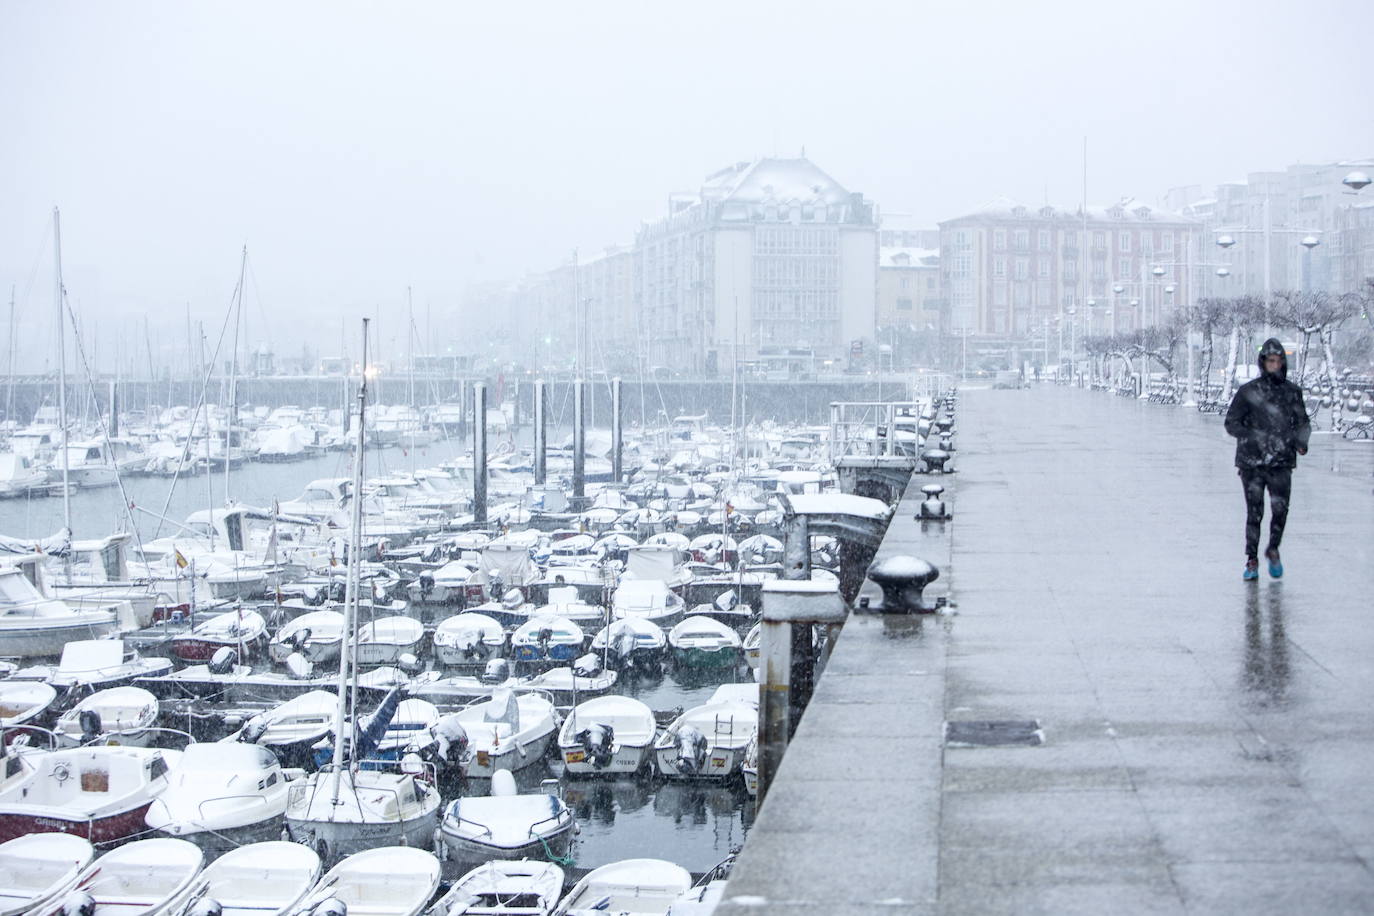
<point>1275,564</point>
<point>1251,570</point>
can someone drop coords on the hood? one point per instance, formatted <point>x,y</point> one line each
<point>1273,345</point>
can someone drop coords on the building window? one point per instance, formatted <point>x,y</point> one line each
<point>1123,268</point>
<point>930,282</point>
<point>1070,270</point>
<point>1044,267</point>
<point>1146,243</point>
<point>1099,270</point>
<point>1099,239</point>
<point>1044,240</point>
<point>1123,242</point>
<point>906,283</point>
<point>1022,239</point>
<point>999,268</point>
<point>999,294</point>
<point>999,239</point>
<point>1166,242</point>
<point>903,305</point>
<point>1022,268</point>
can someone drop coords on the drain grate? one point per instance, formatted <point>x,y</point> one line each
<point>994,733</point>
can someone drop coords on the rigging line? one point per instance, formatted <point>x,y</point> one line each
<point>33,272</point>
<point>195,415</point>
<point>262,309</point>
<point>100,421</point>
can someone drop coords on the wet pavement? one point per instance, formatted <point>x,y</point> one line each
<point>1208,742</point>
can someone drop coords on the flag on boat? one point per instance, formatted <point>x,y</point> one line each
<point>181,560</point>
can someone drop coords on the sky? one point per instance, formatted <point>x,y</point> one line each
<point>363,150</point>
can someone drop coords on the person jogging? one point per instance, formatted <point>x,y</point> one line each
<point>1269,421</point>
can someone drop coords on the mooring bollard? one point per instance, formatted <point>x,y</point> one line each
<point>933,507</point>
<point>935,460</point>
<point>903,580</point>
<point>789,606</point>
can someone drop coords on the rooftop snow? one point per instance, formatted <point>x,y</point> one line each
<point>839,504</point>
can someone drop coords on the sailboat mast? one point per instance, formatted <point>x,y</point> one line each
<point>355,549</point>
<point>232,407</point>
<point>9,391</point>
<point>62,380</point>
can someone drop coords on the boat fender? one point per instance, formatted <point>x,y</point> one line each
<point>206,906</point>
<point>223,661</point>
<point>78,903</point>
<point>90,724</point>
<point>503,783</point>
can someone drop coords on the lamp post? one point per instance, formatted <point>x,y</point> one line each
<point>1227,239</point>
<point>1073,346</point>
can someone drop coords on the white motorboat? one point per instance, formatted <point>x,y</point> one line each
<point>22,702</point>
<point>546,639</point>
<point>40,867</point>
<point>707,741</point>
<point>523,887</point>
<point>753,645</point>
<point>32,624</point>
<point>633,642</point>
<point>95,463</point>
<point>569,683</point>
<point>444,585</point>
<point>468,639</point>
<point>18,477</point>
<point>383,641</point>
<point>291,729</point>
<point>630,887</point>
<point>100,792</point>
<point>124,714</point>
<point>146,878</point>
<point>704,642</point>
<point>94,664</point>
<point>607,735</point>
<point>316,635</point>
<point>241,630</point>
<point>222,795</point>
<point>505,825</point>
<point>260,879</point>
<point>384,881</point>
<point>647,599</point>
<point>510,731</point>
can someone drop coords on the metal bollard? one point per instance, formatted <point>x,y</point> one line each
<point>789,606</point>
<point>933,507</point>
<point>935,460</point>
<point>903,579</point>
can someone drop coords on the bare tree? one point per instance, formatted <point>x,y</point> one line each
<point>1207,316</point>
<point>1243,313</point>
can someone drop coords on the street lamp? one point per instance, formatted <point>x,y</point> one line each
<point>1356,181</point>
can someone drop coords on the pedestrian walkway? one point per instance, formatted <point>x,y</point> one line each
<point>1208,743</point>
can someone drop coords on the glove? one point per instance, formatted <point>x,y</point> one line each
<point>1302,450</point>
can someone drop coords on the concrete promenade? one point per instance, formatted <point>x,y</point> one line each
<point>1208,743</point>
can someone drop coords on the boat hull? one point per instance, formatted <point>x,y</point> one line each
<point>111,828</point>
<point>467,853</point>
<point>509,756</point>
<point>625,761</point>
<point>221,840</point>
<point>38,641</point>
<point>334,840</point>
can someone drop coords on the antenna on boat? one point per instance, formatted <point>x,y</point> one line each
<point>351,580</point>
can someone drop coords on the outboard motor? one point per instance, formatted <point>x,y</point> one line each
<point>206,906</point>
<point>254,729</point>
<point>496,672</point>
<point>426,585</point>
<point>299,639</point>
<point>599,743</point>
<point>330,906</point>
<point>544,637</point>
<point>298,666</point>
<point>691,750</point>
<point>512,599</point>
<point>78,903</point>
<point>91,726</point>
<point>223,661</point>
<point>451,740</point>
<point>408,662</point>
<point>469,641</point>
<point>338,590</point>
<point>588,665</point>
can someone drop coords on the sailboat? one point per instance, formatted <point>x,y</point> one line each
<point>346,807</point>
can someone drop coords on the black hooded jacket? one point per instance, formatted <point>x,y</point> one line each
<point>1268,418</point>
